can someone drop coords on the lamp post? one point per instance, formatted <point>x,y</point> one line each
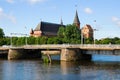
<point>94,34</point>
<point>94,31</point>
<point>26,35</point>
<point>26,39</point>
<point>11,39</point>
<point>81,38</point>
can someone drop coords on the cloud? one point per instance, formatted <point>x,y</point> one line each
<point>7,16</point>
<point>27,1</point>
<point>88,10</point>
<point>116,20</point>
<point>1,10</point>
<point>1,13</point>
<point>10,1</point>
<point>35,1</point>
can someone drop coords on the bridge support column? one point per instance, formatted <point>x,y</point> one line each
<point>69,54</point>
<point>74,55</point>
<point>15,54</point>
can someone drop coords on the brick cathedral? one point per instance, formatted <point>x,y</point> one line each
<point>51,29</point>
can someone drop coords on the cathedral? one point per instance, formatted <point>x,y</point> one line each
<point>45,29</point>
<point>51,29</point>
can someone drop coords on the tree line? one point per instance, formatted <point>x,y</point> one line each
<point>66,35</point>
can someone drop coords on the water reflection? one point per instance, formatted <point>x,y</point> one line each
<point>70,67</point>
<point>91,70</point>
<point>37,70</point>
<point>101,71</point>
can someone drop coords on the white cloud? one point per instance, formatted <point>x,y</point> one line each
<point>10,1</point>
<point>118,23</point>
<point>88,10</point>
<point>7,16</point>
<point>116,20</point>
<point>27,1</point>
<point>1,10</point>
<point>35,1</point>
<point>1,13</point>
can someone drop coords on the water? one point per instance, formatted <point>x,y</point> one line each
<point>112,58</point>
<point>58,70</point>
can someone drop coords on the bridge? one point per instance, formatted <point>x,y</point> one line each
<point>60,46</point>
<point>68,52</point>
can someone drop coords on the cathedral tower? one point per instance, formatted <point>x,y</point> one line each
<point>61,22</point>
<point>76,20</point>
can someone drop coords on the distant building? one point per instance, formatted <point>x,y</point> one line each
<point>87,31</point>
<point>51,29</point>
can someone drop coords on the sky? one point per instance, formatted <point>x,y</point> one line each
<point>19,16</point>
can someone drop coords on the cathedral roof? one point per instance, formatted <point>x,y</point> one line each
<point>88,26</point>
<point>48,28</point>
<point>76,19</point>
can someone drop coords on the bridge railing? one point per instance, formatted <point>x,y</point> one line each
<point>101,46</point>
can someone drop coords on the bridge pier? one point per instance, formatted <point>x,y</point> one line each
<point>15,54</point>
<point>74,54</point>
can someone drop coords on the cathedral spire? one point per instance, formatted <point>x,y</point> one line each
<point>76,20</point>
<point>61,22</point>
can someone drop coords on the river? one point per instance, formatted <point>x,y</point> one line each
<point>100,68</point>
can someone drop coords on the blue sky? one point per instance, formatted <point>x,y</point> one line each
<point>19,16</point>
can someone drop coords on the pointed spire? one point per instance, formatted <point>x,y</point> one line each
<point>31,32</point>
<point>61,22</point>
<point>76,20</point>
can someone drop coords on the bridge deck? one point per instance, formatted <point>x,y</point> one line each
<point>95,47</point>
<point>63,46</point>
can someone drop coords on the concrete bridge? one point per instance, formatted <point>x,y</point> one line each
<point>68,52</point>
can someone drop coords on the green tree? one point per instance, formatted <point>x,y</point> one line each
<point>61,32</point>
<point>31,40</point>
<point>21,41</point>
<point>1,33</point>
<point>117,42</point>
<point>69,34</point>
<point>2,41</point>
<point>14,41</point>
<point>42,40</point>
<point>54,40</point>
<point>106,41</point>
<point>50,41</point>
<point>97,41</point>
<point>88,40</point>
